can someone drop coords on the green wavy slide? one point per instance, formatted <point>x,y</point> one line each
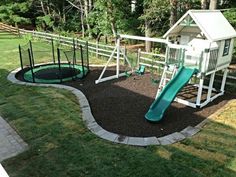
<point>168,94</point>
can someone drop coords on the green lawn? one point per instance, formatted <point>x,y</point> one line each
<point>60,145</point>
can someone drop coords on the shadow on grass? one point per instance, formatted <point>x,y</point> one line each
<point>60,145</point>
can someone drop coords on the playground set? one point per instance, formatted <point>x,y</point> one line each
<point>57,67</point>
<point>199,44</point>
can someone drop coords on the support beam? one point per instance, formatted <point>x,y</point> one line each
<point>199,94</point>
<point>118,58</point>
<point>210,86</point>
<point>143,38</point>
<point>104,69</point>
<point>222,88</point>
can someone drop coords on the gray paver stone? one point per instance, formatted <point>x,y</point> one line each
<point>122,139</point>
<point>190,131</point>
<point>110,136</point>
<point>151,141</point>
<point>138,141</point>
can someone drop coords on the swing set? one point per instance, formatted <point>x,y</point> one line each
<point>119,52</point>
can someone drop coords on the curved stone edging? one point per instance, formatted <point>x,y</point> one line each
<point>113,137</point>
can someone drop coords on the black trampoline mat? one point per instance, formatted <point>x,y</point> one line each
<point>54,73</point>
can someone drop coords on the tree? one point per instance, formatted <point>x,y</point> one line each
<point>110,17</point>
<point>173,11</point>
<point>154,19</point>
<point>213,4</point>
<point>15,13</point>
<point>204,4</point>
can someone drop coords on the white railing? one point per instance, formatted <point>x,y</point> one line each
<point>151,59</point>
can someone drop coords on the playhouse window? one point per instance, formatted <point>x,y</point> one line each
<point>226,47</point>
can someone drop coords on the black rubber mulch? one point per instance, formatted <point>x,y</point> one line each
<point>119,105</point>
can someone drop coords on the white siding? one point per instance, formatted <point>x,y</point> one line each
<point>225,60</point>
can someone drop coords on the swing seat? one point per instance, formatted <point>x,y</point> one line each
<point>127,74</point>
<point>141,70</point>
<point>155,81</point>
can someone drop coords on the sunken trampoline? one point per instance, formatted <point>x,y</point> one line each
<point>71,64</point>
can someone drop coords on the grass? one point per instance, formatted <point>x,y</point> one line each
<point>60,145</point>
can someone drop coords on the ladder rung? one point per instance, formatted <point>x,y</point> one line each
<point>169,72</point>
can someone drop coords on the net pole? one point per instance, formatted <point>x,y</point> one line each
<point>87,52</point>
<point>74,54</point>
<point>82,59</point>
<point>31,65</point>
<point>32,55</point>
<point>59,64</point>
<point>74,60</point>
<point>21,61</point>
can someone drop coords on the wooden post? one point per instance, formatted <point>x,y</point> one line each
<point>87,54</point>
<point>53,51</point>
<point>97,49</point>
<point>138,57</point>
<point>125,54</point>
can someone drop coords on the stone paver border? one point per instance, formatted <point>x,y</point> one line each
<point>113,137</point>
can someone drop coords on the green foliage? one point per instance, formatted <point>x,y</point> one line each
<point>15,13</point>
<point>45,22</point>
<point>106,13</point>
<point>102,17</point>
<point>231,16</point>
<point>185,5</point>
<point>156,13</point>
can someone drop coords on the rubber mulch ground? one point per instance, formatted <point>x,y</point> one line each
<point>119,105</point>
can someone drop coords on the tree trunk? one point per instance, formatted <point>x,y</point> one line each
<point>82,19</point>
<point>133,5</point>
<point>111,17</point>
<point>43,9</point>
<point>86,12</point>
<point>63,12</point>
<point>173,12</point>
<point>90,5</point>
<point>204,4</point>
<point>148,44</point>
<point>213,5</point>
<point>113,28</point>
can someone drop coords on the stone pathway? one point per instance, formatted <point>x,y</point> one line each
<point>113,137</point>
<point>11,143</point>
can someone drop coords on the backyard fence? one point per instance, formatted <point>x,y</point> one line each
<point>152,60</point>
<point>10,29</point>
<point>94,48</point>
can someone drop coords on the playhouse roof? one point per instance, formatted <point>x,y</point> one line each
<point>212,23</point>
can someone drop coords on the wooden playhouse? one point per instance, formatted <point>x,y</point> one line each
<point>205,40</point>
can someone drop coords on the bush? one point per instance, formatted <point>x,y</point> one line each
<point>231,16</point>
